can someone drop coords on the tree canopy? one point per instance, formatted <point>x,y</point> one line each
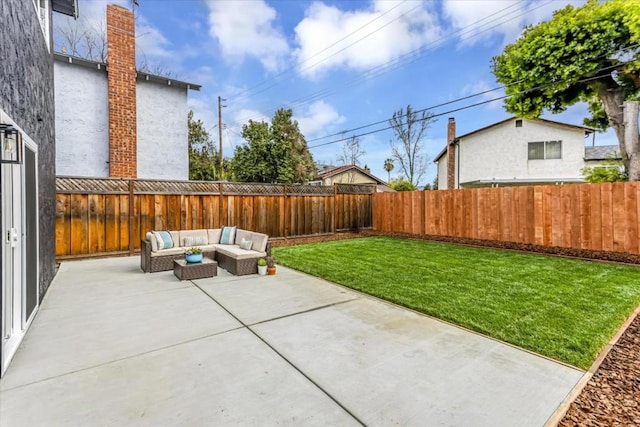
<point>589,54</point>
<point>275,152</point>
<point>202,152</point>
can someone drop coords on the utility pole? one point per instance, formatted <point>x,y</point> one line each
<point>220,106</point>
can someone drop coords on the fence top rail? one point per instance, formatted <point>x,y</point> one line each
<point>79,185</point>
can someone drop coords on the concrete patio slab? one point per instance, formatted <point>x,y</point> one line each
<point>80,326</point>
<point>260,298</point>
<point>388,365</point>
<point>227,379</point>
<point>112,345</point>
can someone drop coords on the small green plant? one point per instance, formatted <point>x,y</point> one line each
<point>262,262</point>
<point>402,185</point>
<point>193,251</point>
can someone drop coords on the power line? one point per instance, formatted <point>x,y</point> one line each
<point>414,54</point>
<point>292,69</point>
<point>431,116</point>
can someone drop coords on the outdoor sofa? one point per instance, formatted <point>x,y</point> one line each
<point>159,249</point>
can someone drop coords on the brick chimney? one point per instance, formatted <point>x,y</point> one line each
<point>451,154</point>
<point>121,50</point>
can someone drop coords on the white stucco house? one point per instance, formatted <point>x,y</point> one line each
<point>518,152</point>
<point>114,121</point>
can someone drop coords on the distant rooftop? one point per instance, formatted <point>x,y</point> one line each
<point>602,152</point>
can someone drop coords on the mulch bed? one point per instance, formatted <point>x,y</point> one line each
<point>612,395</point>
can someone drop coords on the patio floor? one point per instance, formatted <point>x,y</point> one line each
<point>114,346</point>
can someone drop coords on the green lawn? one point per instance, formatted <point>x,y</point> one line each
<point>563,308</point>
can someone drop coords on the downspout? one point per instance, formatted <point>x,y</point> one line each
<point>457,142</point>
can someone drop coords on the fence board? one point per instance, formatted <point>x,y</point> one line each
<point>95,216</point>
<point>584,216</point>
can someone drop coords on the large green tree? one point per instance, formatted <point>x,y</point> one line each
<point>590,54</point>
<point>275,152</point>
<point>202,152</point>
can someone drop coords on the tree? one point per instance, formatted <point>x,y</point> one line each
<point>202,152</point>
<point>402,185</point>
<point>351,152</point>
<point>610,171</point>
<point>586,54</point>
<point>388,166</point>
<point>275,152</point>
<point>408,149</point>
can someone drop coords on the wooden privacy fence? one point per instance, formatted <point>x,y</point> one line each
<point>101,216</point>
<point>600,217</point>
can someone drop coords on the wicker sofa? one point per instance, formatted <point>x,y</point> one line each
<point>230,257</point>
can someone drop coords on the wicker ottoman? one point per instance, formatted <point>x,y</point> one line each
<point>199,270</point>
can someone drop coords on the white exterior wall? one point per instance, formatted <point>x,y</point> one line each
<point>81,117</point>
<point>442,172</point>
<point>501,152</point>
<point>163,146</point>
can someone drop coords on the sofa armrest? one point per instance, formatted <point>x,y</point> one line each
<point>268,248</point>
<point>145,255</point>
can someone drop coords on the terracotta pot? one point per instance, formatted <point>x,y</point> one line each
<point>271,271</point>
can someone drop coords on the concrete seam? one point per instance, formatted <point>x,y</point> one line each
<point>122,358</point>
<point>290,363</point>
<point>301,312</point>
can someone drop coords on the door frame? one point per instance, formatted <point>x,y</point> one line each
<point>10,345</point>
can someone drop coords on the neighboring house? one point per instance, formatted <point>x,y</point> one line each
<point>27,182</point>
<point>517,152</point>
<point>349,174</point>
<point>114,121</point>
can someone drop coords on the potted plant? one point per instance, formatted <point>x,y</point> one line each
<point>262,267</point>
<point>271,265</point>
<point>193,255</point>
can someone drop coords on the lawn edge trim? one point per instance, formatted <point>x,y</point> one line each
<point>562,410</point>
<point>393,304</point>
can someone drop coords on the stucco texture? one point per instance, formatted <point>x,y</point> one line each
<point>82,111</point>
<point>163,149</point>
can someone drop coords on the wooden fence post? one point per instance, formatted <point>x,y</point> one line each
<point>333,214</point>
<point>131,217</point>
<point>286,212</point>
<point>220,205</point>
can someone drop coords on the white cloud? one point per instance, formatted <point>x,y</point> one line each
<point>482,86</point>
<point>502,18</point>
<point>247,29</point>
<point>150,42</point>
<point>318,118</point>
<point>408,26</point>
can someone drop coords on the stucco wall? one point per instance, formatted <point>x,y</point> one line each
<point>349,177</point>
<point>26,95</point>
<point>501,153</point>
<point>442,172</point>
<point>82,117</point>
<point>162,132</point>
<point>82,112</point>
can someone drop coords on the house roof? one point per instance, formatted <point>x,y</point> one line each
<point>140,75</point>
<point>586,130</point>
<point>345,168</point>
<point>602,152</point>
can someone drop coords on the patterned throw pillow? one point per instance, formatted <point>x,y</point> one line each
<point>164,239</point>
<point>246,244</point>
<point>195,241</point>
<point>228,236</point>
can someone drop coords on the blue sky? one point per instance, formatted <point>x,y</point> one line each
<point>338,64</point>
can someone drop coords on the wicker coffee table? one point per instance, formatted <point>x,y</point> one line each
<point>199,270</point>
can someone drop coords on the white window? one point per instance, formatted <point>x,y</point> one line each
<point>545,150</point>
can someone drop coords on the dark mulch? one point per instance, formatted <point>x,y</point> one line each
<point>612,395</point>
